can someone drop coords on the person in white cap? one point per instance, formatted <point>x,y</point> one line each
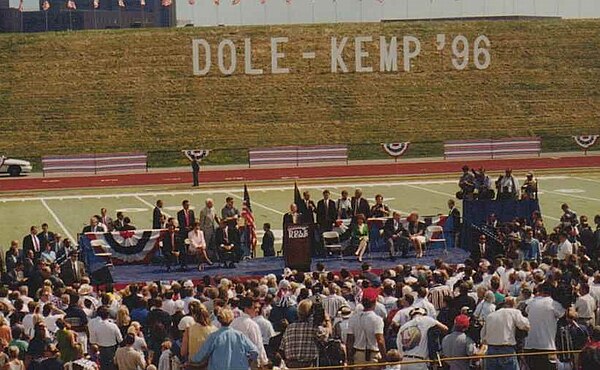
<point>412,338</point>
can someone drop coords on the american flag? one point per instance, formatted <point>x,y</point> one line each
<point>71,5</point>
<point>121,3</point>
<point>45,5</point>
<point>249,217</point>
<point>21,5</point>
<point>166,2</point>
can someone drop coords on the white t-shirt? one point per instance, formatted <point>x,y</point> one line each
<point>412,336</point>
<point>401,317</point>
<point>564,249</point>
<point>543,314</point>
<point>364,326</point>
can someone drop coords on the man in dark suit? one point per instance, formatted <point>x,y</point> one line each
<point>173,247</point>
<point>195,171</point>
<point>396,235</point>
<point>128,225</point>
<point>72,270</point>
<point>454,214</point>
<point>186,219</point>
<point>326,212</point>
<point>227,240</point>
<point>93,227</point>
<point>31,242</point>
<point>311,208</point>
<point>119,223</point>
<point>359,205</point>
<point>156,213</point>
<point>12,255</point>
<point>45,237</point>
<point>482,250</point>
<point>106,220</point>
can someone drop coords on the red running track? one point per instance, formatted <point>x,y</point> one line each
<point>334,171</point>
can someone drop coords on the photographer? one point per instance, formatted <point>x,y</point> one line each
<point>299,343</point>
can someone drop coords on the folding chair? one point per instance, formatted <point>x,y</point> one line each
<point>331,241</point>
<point>435,233</point>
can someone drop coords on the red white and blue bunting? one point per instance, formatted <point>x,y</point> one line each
<point>396,149</point>
<point>586,141</point>
<point>197,154</point>
<point>132,246</point>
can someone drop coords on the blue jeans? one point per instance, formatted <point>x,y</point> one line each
<point>501,363</point>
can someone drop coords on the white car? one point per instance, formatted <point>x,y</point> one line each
<point>14,167</point>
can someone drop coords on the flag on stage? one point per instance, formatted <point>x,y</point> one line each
<point>21,6</point>
<point>121,3</point>
<point>249,218</point>
<point>396,149</point>
<point>126,246</point>
<point>586,141</point>
<point>299,201</point>
<point>235,2</point>
<point>45,5</point>
<point>71,5</point>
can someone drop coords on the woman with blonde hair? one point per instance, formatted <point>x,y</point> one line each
<point>195,335</point>
<point>123,319</point>
<point>140,344</point>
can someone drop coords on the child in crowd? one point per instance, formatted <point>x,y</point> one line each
<point>392,356</point>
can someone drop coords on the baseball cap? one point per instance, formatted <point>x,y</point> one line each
<point>461,322</point>
<point>417,311</point>
<point>370,294</point>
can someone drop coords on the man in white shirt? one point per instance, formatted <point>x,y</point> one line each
<point>565,248</point>
<point>245,323</point>
<point>365,341</point>
<point>543,313</point>
<point>412,338</point>
<point>265,326</point>
<point>107,336</point>
<point>498,333</point>
<point>586,306</point>
<point>507,186</point>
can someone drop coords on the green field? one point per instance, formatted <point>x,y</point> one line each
<point>68,211</point>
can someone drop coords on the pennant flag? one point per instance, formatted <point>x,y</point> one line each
<point>197,154</point>
<point>586,141</point>
<point>121,3</point>
<point>166,3</point>
<point>21,6</point>
<point>71,5</point>
<point>96,4</point>
<point>396,149</point>
<point>143,2</point>
<point>45,5</point>
<point>249,218</point>
<point>126,246</point>
<point>192,2</point>
<point>235,2</point>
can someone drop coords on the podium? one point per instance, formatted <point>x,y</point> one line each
<point>297,243</point>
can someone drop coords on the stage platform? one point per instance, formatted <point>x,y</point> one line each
<point>262,266</point>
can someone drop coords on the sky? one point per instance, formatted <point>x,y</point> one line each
<point>205,13</point>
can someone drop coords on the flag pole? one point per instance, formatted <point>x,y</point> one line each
<point>361,10</point>
<point>288,13</point>
<point>143,15</point>
<point>265,13</point>
<point>217,14</point>
<point>46,16</point>
<point>241,15</point>
<point>70,20</point>
<point>312,5</point>
<point>335,10</point>
<point>94,13</point>
<point>406,3</point>
<point>120,19</point>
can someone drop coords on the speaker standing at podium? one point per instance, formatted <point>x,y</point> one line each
<point>290,218</point>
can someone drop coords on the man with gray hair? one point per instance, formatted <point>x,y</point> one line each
<point>208,225</point>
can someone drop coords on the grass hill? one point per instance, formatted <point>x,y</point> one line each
<point>115,90</point>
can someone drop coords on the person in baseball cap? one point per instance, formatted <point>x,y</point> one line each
<point>458,344</point>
